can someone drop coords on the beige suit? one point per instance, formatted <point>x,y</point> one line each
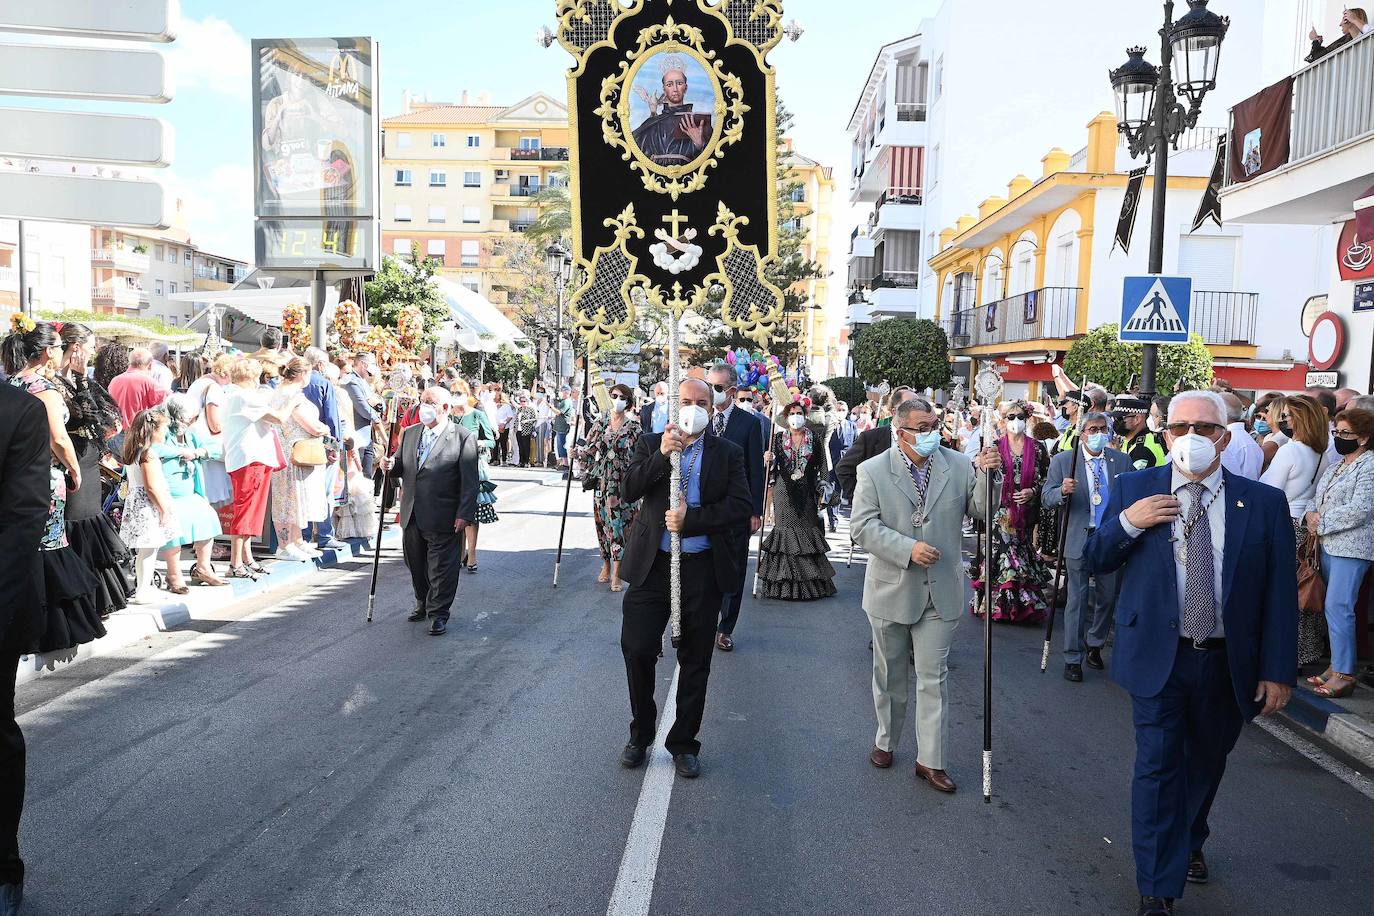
<point>912,608</point>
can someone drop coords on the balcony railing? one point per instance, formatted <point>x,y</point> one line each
<point>120,294</point>
<point>122,259</point>
<point>896,279</point>
<point>1225,318</point>
<point>1051,312</point>
<point>1333,103</point>
<point>912,196</point>
<point>543,154</point>
<point>911,111</point>
<point>525,190</point>
<point>522,225</point>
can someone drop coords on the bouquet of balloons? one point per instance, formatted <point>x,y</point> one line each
<point>348,318</point>
<point>752,370</point>
<point>295,326</point>
<point>410,328</point>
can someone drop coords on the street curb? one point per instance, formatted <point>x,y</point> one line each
<point>138,622</point>
<point>1333,723</point>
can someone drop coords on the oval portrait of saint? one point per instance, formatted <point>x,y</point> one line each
<point>672,115</point>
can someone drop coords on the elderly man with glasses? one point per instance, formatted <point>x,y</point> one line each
<point>1088,615</point>
<point>909,507</point>
<point>1206,631</point>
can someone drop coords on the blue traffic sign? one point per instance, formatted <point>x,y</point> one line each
<point>1156,310</point>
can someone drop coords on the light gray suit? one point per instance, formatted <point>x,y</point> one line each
<point>1093,627</point>
<point>911,608</point>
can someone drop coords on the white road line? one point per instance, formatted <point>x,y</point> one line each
<point>634,884</point>
<point>1356,780</point>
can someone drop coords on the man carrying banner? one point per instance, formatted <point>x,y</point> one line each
<point>716,502</point>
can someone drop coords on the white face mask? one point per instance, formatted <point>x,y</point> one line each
<point>1154,425</point>
<point>428,414</point>
<point>1016,427</point>
<point>618,405</point>
<point>718,398</point>
<point>746,406</point>
<point>661,400</point>
<point>1193,454</point>
<point>796,421</point>
<point>692,419</point>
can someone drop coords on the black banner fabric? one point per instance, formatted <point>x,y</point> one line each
<point>1210,205</point>
<point>673,160</point>
<point>1125,223</point>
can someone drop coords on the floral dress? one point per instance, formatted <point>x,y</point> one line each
<point>477,423</point>
<point>299,493</point>
<point>608,456</point>
<point>795,565</point>
<point>1019,575</point>
<point>72,615</point>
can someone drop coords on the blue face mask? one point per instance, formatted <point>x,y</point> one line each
<point>1261,427</point>
<point>1097,442</point>
<point>928,444</point>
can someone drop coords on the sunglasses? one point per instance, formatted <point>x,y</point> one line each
<point>1016,416</point>
<point>744,400</point>
<point>721,388</point>
<point>1206,430</point>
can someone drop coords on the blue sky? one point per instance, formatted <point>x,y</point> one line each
<point>444,48</point>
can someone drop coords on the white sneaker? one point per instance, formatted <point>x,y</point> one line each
<point>295,552</point>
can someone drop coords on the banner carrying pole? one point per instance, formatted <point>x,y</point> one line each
<point>568,449</point>
<point>675,484</point>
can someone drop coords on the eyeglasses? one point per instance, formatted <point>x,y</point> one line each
<point>1090,430</point>
<point>1206,430</point>
<point>1346,434</point>
<point>921,430</point>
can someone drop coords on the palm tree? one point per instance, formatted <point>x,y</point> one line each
<point>555,210</point>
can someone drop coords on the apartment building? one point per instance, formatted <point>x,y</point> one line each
<point>459,177</point>
<point>822,321</point>
<point>58,272</point>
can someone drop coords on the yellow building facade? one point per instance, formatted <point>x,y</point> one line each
<point>813,202</point>
<point>457,178</point>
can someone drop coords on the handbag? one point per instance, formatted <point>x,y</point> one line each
<point>1311,585</point>
<point>308,453</point>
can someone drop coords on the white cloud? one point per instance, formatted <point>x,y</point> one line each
<point>208,54</point>
<point>218,210</point>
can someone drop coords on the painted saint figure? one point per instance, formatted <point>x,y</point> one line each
<point>672,134</point>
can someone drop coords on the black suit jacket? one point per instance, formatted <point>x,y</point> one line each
<point>744,429</point>
<point>725,505</point>
<point>445,488</point>
<point>25,492</point>
<point>867,444</point>
<point>646,417</point>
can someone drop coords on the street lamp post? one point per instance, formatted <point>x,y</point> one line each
<point>1151,116</point>
<point>558,261</point>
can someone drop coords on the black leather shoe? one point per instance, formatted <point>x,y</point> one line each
<point>439,627</point>
<point>687,765</point>
<point>1197,868</point>
<point>632,757</point>
<point>417,615</point>
<point>1094,658</point>
<point>11,895</point>
<point>1156,906</point>
<point>1073,673</point>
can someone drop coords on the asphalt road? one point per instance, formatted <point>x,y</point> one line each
<point>300,761</point>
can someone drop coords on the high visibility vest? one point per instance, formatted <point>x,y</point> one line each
<point>1146,450</point>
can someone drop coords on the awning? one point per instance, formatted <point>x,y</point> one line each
<point>475,314</point>
<point>262,306</point>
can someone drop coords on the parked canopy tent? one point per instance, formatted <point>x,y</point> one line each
<point>478,324</point>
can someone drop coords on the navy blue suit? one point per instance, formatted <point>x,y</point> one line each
<point>1189,704</point>
<point>743,429</point>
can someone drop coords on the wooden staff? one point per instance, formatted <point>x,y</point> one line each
<point>1064,509</point>
<point>567,490</point>
<point>395,406</point>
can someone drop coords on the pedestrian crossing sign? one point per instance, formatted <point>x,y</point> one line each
<point>1156,310</point>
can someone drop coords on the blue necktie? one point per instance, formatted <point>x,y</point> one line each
<point>426,443</point>
<point>1100,476</point>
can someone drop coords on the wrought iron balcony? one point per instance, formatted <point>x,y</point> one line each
<point>1225,318</point>
<point>542,154</point>
<point>1050,312</point>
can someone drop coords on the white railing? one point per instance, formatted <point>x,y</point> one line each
<point>1333,100</point>
<point>117,292</point>
<point>123,258</point>
<point>911,111</point>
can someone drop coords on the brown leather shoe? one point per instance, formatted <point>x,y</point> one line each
<point>880,758</point>
<point>938,779</point>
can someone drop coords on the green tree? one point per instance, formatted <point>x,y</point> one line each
<point>1116,366</point>
<point>554,201</point>
<point>405,282</point>
<point>511,369</point>
<point>903,351</point>
<point>848,389</point>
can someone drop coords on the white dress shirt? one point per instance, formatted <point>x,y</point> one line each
<point>1243,455</point>
<point>1216,518</point>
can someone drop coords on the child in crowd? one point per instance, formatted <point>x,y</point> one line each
<point>148,523</point>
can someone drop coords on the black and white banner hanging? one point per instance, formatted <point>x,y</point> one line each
<point>1210,206</point>
<point>673,160</point>
<point>1125,224</point>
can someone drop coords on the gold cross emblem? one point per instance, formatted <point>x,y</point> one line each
<point>675,220</point>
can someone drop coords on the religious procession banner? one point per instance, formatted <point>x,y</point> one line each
<point>673,160</point>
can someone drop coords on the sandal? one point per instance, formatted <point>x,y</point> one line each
<point>205,577</point>
<point>1317,680</point>
<point>472,568</point>
<point>1336,693</point>
<point>242,572</point>
<point>259,569</point>
<point>604,576</point>
<point>615,585</point>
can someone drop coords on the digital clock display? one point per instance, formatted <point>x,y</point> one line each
<point>312,243</point>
